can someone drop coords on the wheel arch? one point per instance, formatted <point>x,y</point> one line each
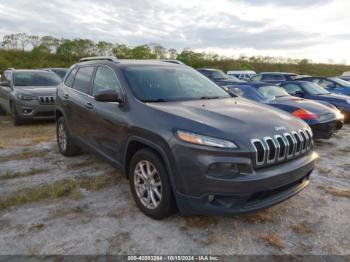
<point>136,143</point>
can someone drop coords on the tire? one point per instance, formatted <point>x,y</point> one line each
<point>16,119</point>
<point>64,140</point>
<point>145,191</point>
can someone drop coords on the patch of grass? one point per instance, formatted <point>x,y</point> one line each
<point>336,191</point>
<point>200,222</point>
<point>323,170</point>
<point>33,171</point>
<point>304,227</point>
<point>37,227</point>
<point>88,162</point>
<point>25,154</point>
<point>260,217</point>
<point>272,240</point>
<point>64,188</point>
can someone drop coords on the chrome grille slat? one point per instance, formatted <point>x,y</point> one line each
<point>269,150</point>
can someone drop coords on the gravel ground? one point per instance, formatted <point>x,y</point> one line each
<point>55,205</point>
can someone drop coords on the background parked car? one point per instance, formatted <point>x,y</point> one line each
<point>310,90</point>
<point>61,72</point>
<point>28,94</point>
<point>332,84</point>
<point>274,77</point>
<point>346,78</point>
<point>241,74</point>
<point>322,119</point>
<point>219,77</point>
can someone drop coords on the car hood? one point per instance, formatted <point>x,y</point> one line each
<point>228,117</point>
<point>332,97</point>
<point>295,103</point>
<point>37,91</point>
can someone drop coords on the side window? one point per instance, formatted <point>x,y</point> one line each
<point>105,78</point>
<point>70,79</point>
<point>207,74</point>
<point>257,78</point>
<point>292,89</point>
<point>83,78</point>
<point>325,83</point>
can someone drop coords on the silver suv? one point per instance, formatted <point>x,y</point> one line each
<point>28,94</point>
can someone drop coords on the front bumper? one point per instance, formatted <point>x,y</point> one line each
<point>203,193</point>
<point>326,130</point>
<point>34,110</point>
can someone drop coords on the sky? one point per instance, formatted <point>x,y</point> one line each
<point>314,29</point>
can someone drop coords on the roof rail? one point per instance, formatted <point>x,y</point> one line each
<point>94,58</point>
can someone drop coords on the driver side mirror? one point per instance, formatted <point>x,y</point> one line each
<point>108,95</point>
<point>299,93</point>
<point>5,83</point>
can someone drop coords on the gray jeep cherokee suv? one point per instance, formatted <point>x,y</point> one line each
<point>180,139</point>
<point>28,94</point>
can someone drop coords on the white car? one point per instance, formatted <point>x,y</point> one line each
<point>241,74</point>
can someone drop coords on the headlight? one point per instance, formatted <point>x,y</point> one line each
<point>26,97</point>
<point>204,140</point>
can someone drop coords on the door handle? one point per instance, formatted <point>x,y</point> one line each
<point>66,96</point>
<point>89,106</point>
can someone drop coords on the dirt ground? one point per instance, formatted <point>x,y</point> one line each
<point>55,205</point>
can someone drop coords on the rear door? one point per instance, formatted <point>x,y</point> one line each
<point>80,101</point>
<point>5,90</point>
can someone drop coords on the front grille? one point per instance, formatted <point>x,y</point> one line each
<point>47,100</point>
<point>270,150</point>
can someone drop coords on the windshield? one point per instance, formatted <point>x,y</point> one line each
<point>270,92</point>
<point>35,79</point>
<point>340,81</point>
<point>162,84</point>
<point>314,89</point>
<point>60,72</point>
<point>217,74</point>
<point>247,92</point>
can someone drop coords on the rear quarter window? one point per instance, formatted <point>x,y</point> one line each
<point>71,75</point>
<point>83,79</point>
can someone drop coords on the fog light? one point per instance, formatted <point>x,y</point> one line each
<point>211,198</point>
<point>27,111</point>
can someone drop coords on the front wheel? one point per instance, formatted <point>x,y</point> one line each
<point>16,119</point>
<point>150,185</point>
<point>64,140</point>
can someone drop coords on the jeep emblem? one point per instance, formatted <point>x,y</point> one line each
<point>280,128</point>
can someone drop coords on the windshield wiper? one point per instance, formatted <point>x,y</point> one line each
<point>159,100</point>
<point>209,97</point>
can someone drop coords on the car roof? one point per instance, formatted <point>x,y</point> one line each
<point>294,82</point>
<point>30,70</point>
<point>125,62</point>
<point>209,69</point>
<point>277,73</point>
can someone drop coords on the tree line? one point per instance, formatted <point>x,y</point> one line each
<point>21,50</point>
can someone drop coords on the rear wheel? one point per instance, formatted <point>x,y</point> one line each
<point>64,140</point>
<point>16,119</point>
<point>150,185</point>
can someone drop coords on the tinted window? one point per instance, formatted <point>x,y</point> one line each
<point>70,79</point>
<point>105,78</point>
<point>60,72</point>
<point>272,78</point>
<point>292,89</point>
<point>217,74</point>
<point>256,77</point>
<point>35,79</point>
<point>170,84</point>
<point>271,92</point>
<point>83,78</point>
